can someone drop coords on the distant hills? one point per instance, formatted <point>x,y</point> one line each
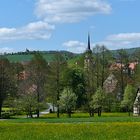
<point>50,55</point>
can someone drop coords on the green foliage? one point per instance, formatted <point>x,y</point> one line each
<point>38,74</point>
<point>98,99</point>
<point>74,79</point>
<point>28,103</point>
<point>67,100</point>
<point>49,56</point>
<point>137,76</point>
<point>129,97</point>
<point>7,81</point>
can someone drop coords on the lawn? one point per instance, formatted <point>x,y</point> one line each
<point>111,126</point>
<point>70,131</point>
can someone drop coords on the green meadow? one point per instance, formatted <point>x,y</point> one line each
<point>112,126</point>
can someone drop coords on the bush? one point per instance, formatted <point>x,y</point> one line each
<point>6,115</point>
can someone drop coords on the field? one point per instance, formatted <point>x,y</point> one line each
<point>48,56</point>
<point>108,127</point>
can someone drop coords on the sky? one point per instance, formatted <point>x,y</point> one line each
<point>64,24</point>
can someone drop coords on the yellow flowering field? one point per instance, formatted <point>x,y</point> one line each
<point>70,131</point>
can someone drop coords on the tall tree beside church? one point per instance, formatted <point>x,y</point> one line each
<point>38,72</point>
<point>136,76</point>
<point>18,68</point>
<point>7,81</point>
<point>89,75</point>
<point>103,58</point>
<point>129,98</point>
<point>96,51</point>
<point>98,100</point>
<point>75,80</point>
<point>123,71</point>
<point>57,68</point>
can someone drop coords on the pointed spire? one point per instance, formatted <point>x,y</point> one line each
<point>89,47</point>
<point>88,42</point>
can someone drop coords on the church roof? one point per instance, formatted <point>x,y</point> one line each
<point>89,47</point>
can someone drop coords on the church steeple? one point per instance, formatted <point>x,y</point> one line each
<point>89,47</point>
<point>88,54</point>
<point>88,42</point>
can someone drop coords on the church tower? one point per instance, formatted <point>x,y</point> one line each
<point>88,55</point>
<point>88,47</point>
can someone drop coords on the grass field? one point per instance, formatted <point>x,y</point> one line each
<point>71,131</point>
<point>111,126</point>
<point>20,58</point>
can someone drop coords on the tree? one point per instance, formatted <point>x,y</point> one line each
<point>136,76</point>
<point>57,67</point>
<point>18,67</point>
<point>128,99</point>
<point>28,103</point>
<point>67,100</point>
<point>98,100</point>
<point>26,100</point>
<point>103,58</point>
<point>75,80</point>
<point>38,72</point>
<point>7,81</point>
<point>89,74</point>
<point>124,61</point>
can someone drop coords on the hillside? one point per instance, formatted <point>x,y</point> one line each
<point>50,55</point>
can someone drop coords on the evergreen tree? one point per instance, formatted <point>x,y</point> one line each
<point>7,81</point>
<point>128,99</point>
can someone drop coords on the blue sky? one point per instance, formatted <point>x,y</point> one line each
<point>64,24</point>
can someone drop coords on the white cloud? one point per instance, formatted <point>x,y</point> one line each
<point>122,40</point>
<point>5,50</point>
<point>34,30</point>
<point>113,42</point>
<point>68,11</point>
<point>75,46</point>
<point>51,12</point>
<point>124,37</point>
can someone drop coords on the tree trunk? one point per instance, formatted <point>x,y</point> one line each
<point>92,112</point>
<point>129,113</point>
<point>38,100</point>
<point>122,82</point>
<point>89,113</point>
<point>30,112</point>
<point>103,69</point>
<point>69,113</point>
<point>53,108</point>
<point>37,113</point>
<point>99,111</point>
<point>58,111</point>
<point>31,115</point>
<point>0,110</point>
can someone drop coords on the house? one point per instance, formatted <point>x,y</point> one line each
<point>110,84</point>
<point>136,106</point>
<point>130,68</point>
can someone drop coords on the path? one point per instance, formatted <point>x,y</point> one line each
<point>47,111</point>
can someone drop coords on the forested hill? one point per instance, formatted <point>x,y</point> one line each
<point>50,55</point>
<point>130,51</point>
